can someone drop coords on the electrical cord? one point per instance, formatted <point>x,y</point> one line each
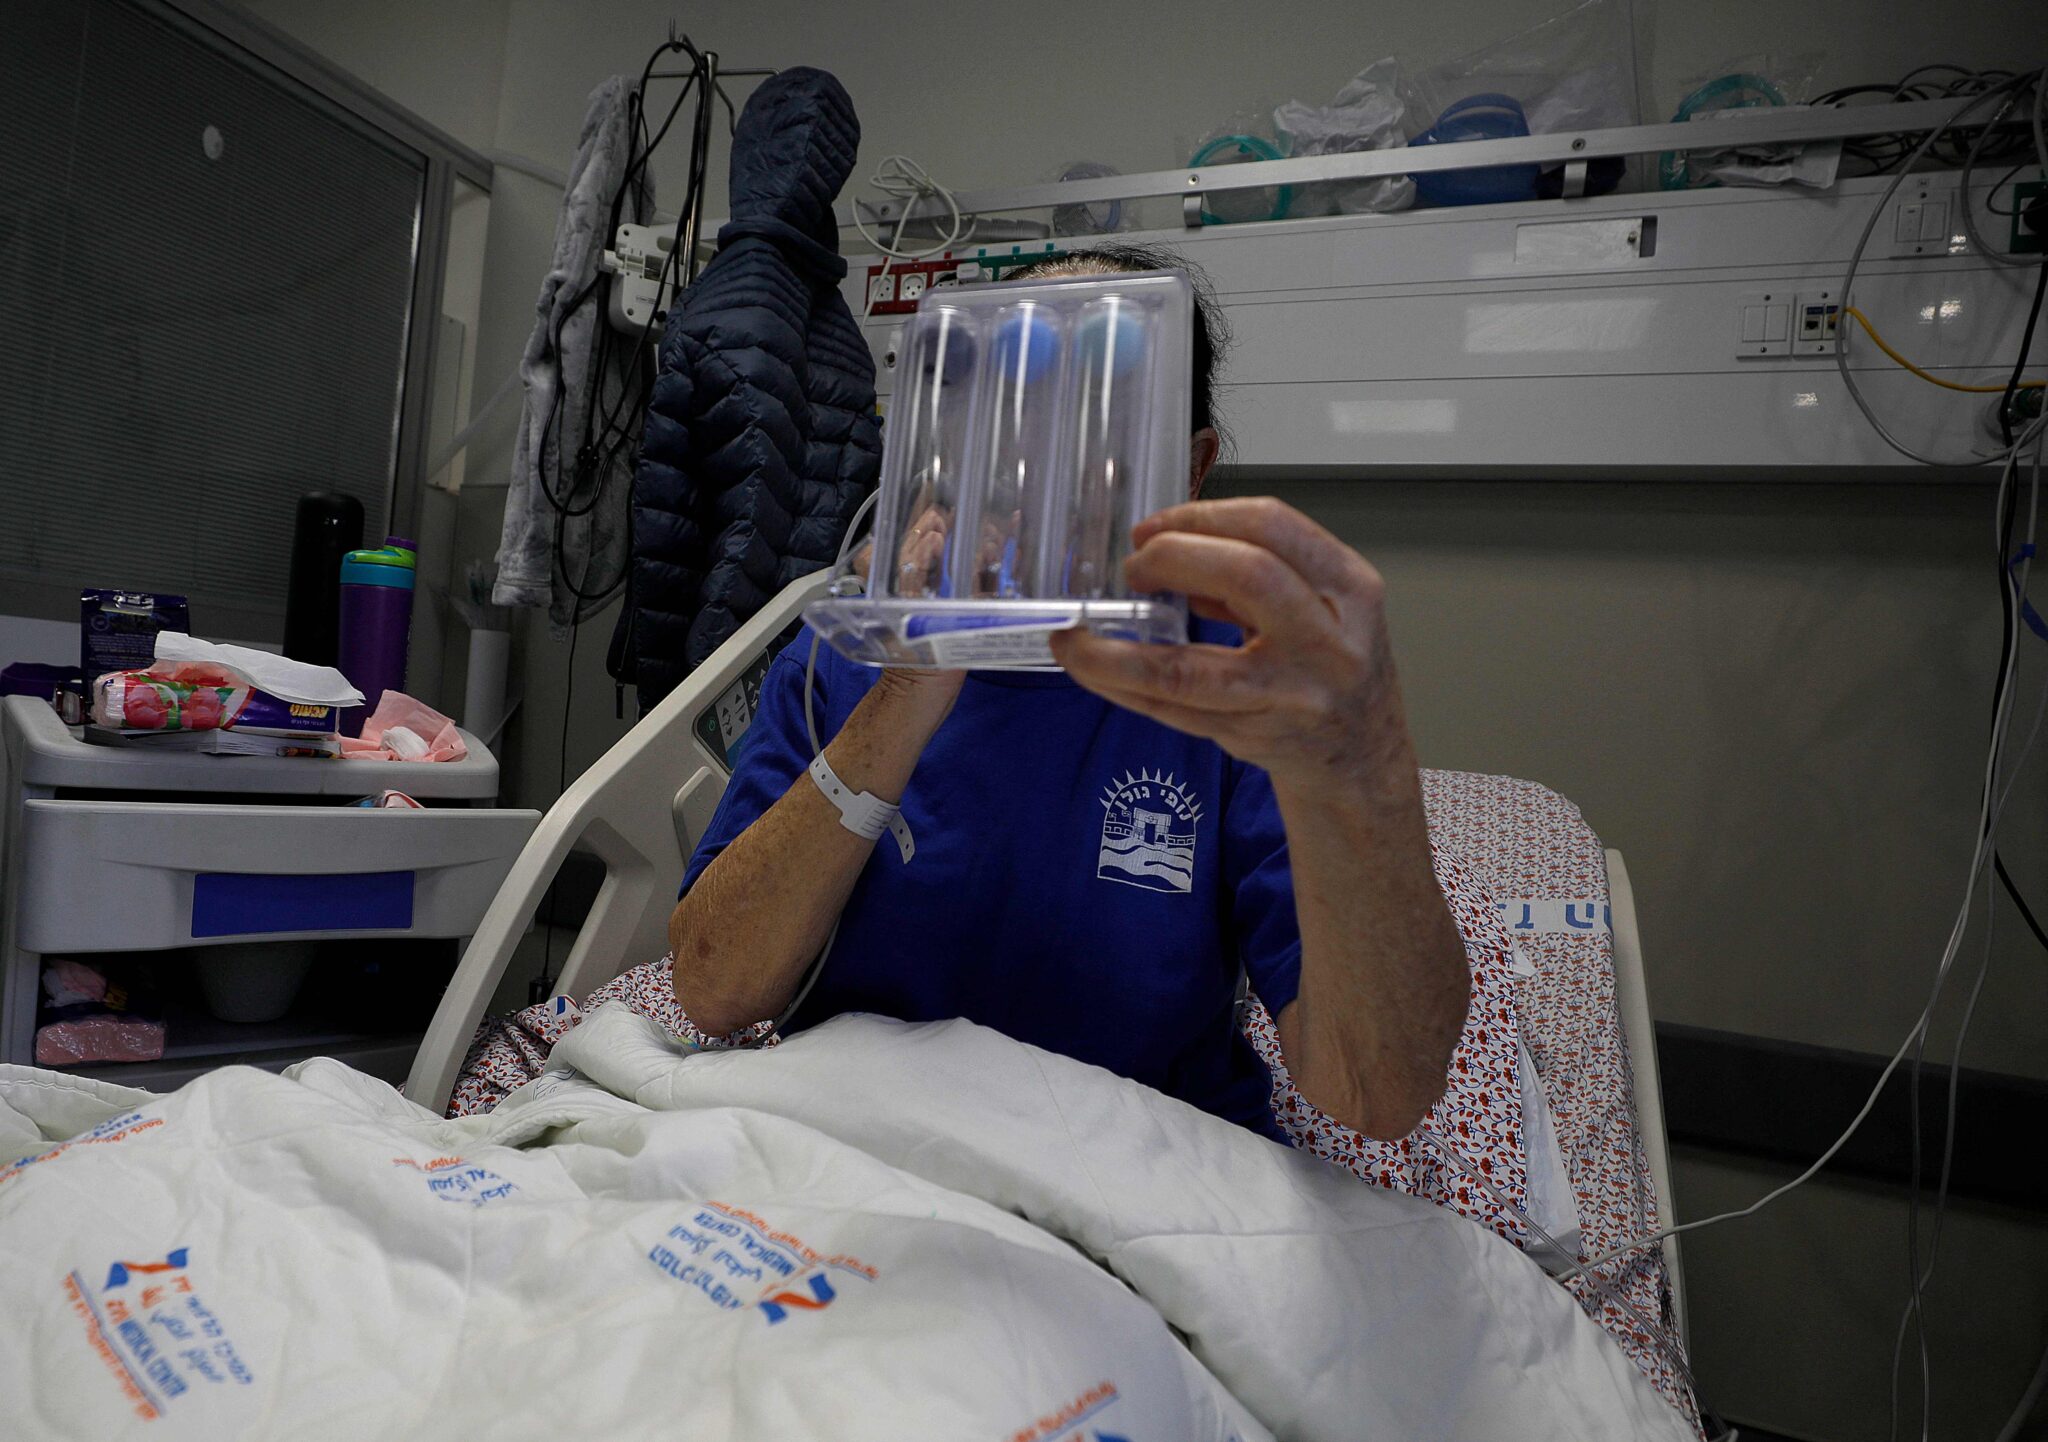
<point>2031,437</point>
<point>2028,1400</point>
<point>2012,596</point>
<point>2013,893</point>
<point>838,571</point>
<point>1991,200</point>
<point>2003,389</point>
<point>2014,385</point>
<point>902,178</point>
<point>1656,1331</point>
<point>817,967</point>
<point>1968,211</point>
<point>603,446</point>
<point>1882,153</point>
<point>1856,260</point>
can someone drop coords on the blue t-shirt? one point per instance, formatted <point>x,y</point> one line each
<point>1085,879</point>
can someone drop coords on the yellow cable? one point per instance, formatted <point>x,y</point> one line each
<point>1871,331</point>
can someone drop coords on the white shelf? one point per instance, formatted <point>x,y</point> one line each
<point>387,1057</point>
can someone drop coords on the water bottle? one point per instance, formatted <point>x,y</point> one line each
<point>329,526</point>
<point>376,623</point>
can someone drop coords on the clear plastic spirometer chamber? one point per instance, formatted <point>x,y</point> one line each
<point>1034,424</point>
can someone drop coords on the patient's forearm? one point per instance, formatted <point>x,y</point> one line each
<point>1384,977</point>
<point>760,913</point>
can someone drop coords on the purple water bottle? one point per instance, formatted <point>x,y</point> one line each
<point>376,624</point>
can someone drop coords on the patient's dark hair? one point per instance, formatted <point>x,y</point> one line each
<point>1212,332</point>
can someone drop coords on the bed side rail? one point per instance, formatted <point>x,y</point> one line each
<point>638,808</point>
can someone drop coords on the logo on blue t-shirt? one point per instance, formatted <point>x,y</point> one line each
<point>1148,833</point>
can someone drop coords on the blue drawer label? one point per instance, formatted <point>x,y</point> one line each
<point>234,903</point>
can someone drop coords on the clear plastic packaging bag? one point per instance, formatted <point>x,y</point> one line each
<point>1366,115</point>
<point>1101,217</point>
<point>1241,140</point>
<point>1035,423</point>
<point>1745,86</point>
<point>1575,71</point>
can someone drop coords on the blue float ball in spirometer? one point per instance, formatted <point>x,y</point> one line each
<point>1111,334</point>
<point>946,349</point>
<point>1027,344</point>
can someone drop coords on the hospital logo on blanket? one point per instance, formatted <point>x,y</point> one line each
<point>157,1338</point>
<point>454,1180</point>
<point>727,1255</point>
<point>1148,833</point>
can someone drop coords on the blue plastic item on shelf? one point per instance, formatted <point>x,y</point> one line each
<point>1231,207</point>
<point>1486,116</point>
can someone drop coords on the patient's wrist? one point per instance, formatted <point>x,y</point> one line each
<point>879,746</point>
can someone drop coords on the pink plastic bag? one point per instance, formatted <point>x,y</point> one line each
<point>92,1018</point>
<point>402,729</point>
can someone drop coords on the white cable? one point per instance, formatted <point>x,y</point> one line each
<point>2011,1430</point>
<point>1914,1312</point>
<point>2033,436</point>
<point>1968,211</point>
<point>907,182</point>
<point>1976,458</point>
<point>1656,1331</point>
<point>817,968</point>
<point>838,570</point>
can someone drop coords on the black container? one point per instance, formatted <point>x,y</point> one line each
<point>329,526</point>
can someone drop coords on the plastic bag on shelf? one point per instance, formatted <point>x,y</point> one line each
<point>1241,139</point>
<point>1746,86</point>
<point>1366,115</point>
<point>1575,71</point>
<point>92,1016</point>
<point>1101,217</point>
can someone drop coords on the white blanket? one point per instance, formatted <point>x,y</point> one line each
<point>873,1231</point>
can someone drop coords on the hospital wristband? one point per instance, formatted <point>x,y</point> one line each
<point>863,813</point>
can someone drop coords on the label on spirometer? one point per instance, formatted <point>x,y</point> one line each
<point>1004,646</point>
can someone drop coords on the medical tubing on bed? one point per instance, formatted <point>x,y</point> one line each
<point>1988,813</point>
<point>838,571</point>
<point>1657,1332</point>
<point>817,749</point>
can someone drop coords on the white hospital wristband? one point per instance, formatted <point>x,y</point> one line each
<point>863,813</point>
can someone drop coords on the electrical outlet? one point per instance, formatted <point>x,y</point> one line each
<point>911,288</point>
<point>2024,241</point>
<point>882,288</point>
<point>1816,317</point>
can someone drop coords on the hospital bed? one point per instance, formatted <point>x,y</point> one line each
<point>877,1230</point>
<point>641,808</point>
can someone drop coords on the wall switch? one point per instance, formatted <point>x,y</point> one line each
<point>1763,324</point>
<point>1919,222</point>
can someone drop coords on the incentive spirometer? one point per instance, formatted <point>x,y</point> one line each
<point>1034,424</point>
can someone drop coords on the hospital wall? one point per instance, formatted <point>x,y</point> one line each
<point>1771,696</point>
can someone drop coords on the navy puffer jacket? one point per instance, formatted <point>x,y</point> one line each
<point>761,438</point>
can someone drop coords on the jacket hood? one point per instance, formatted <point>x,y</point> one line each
<point>793,149</point>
